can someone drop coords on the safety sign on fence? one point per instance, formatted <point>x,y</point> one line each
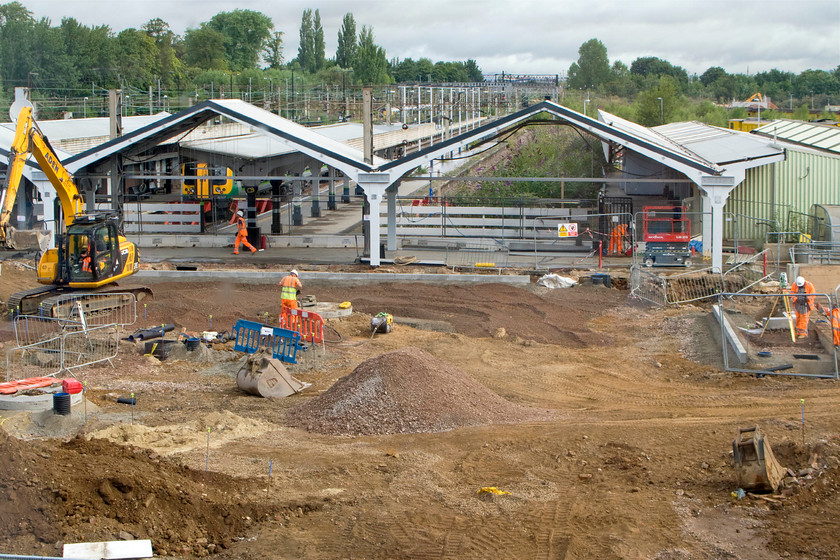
<point>567,230</point>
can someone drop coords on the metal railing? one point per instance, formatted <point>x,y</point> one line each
<point>818,252</point>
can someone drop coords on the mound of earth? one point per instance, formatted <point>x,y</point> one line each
<point>406,391</point>
<point>96,490</point>
<point>24,508</point>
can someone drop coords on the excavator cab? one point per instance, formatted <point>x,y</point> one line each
<point>91,252</point>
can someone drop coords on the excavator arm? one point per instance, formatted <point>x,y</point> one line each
<point>30,140</point>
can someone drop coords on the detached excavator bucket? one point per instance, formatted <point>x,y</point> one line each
<point>267,377</point>
<point>755,465</point>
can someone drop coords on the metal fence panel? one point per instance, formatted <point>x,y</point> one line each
<point>749,272</point>
<point>48,346</point>
<point>647,286</point>
<point>693,286</point>
<point>477,256</point>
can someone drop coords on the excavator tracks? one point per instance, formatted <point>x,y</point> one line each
<point>53,301</point>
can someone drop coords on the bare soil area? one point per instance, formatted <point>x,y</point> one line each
<point>609,424</point>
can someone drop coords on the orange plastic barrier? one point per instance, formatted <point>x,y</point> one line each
<point>12,387</point>
<point>309,324</point>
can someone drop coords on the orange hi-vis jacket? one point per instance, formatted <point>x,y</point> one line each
<point>289,286</point>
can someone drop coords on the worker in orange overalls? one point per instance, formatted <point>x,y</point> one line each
<point>241,234</point>
<point>833,318</point>
<point>617,239</point>
<point>85,255</point>
<point>803,303</point>
<point>290,286</point>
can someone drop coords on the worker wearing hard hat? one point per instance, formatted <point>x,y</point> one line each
<point>803,302</point>
<point>290,287</point>
<point>241,234</point>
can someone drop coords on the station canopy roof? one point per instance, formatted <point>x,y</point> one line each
<point>813,135</point>
<point>712,145</point>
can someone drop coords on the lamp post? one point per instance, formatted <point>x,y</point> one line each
<point>84,104</point>
<point>585,101</point>
<point>661,112</point>
<point>249,89</point>
<point>165,98</point>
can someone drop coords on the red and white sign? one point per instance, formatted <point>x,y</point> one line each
<point>567,230</point>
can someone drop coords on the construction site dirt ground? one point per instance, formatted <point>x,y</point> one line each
<point>613,441</point>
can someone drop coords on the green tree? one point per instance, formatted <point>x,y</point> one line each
<point>138,55</point>
<point>166,64</point>
<point>17,46</point>
<point>56,69</point>
<point>711,75</point>
<point>318,47</point>
<point>92,51</point>
<point>592,68</point>
<point>474,73</point>
<point>204,48</point>
<point>802,113</point>
<point>345,54</point>
<point>306,48</point>
<point>649,69</point>
<point>245,33</point>
<point>273,51</point>
<point>656,106</point>
<point>372,65</point>
<point>620,83</point>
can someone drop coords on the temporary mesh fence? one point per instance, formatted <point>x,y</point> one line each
<point>86,332</point>
<point>758,337</point>
<point>49,346</point>
<point>750,271</point>
<point>477,256</point>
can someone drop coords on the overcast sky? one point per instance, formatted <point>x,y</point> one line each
<point>528,36</point>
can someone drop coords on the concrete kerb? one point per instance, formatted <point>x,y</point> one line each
<point>263,276</point>
<point>211,241</point>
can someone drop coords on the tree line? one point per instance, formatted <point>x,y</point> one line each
<point>662,92</point>
<point>231,48</point>
<point>243,51</point>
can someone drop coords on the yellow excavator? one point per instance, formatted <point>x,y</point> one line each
<point>90,252</point>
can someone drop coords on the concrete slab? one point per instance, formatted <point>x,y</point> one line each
<point>264,276</point>
<point>43,401</point>
<point>731,335</point>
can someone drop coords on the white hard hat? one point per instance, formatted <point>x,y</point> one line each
<point>294,272</point>
<point>239,213</point>
<point>800,281</point>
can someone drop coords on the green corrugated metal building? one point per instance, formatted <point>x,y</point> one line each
<point>782,195</point>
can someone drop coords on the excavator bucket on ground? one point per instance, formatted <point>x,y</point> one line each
<point>755,465</point>
<point>267,377</point>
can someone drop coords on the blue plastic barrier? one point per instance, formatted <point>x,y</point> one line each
<point>252,337</point>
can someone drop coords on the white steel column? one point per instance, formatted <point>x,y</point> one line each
<point>716,191</point>
<point>374,186</point>
<point>392,216</point>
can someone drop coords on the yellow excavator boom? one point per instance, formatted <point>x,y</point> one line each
<point>30,140</point>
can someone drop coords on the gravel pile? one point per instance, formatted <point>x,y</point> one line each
<point>406,391</point>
